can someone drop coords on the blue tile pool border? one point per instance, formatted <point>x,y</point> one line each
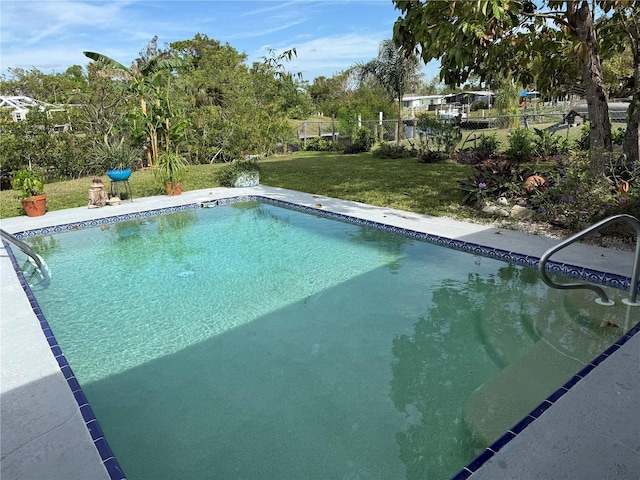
<point>97,436</point>
<point>113,468</point>
<point>564,269</point>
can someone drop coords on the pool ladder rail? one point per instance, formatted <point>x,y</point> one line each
<point>37,272</point>
<point>602,299</point>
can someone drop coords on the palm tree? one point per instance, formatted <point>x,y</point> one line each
<point>396,71</point>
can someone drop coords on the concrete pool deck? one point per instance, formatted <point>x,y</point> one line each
<point>592,431</point>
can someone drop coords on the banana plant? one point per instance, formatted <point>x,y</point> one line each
<point>153,118</point>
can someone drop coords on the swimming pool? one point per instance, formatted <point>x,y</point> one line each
<point>379,347</point>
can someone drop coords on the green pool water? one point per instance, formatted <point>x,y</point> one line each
<point>251,341</point>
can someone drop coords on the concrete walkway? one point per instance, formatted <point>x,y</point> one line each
<point>592,431</point>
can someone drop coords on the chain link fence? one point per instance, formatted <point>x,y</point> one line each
<point>472,128</point>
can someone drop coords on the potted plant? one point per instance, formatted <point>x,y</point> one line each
<point>170,170</point>
<point>240,173</point>
<point>31,186</point>
<point>118,156</point>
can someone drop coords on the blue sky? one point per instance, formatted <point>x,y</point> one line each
<point>329,36</point>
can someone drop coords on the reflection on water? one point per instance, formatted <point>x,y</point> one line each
<point>473,365</point>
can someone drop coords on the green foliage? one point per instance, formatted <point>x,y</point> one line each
<point>362,141</point>
<point>229,173</point>
<point>395,71</point>
<point>388,150</point>
<point>170,167</point>
<point>478,105</point>
<point>319,144</point>
<point>115,154</point>
<point>582,144</point>
<point>431,156</point>
<point>28,182</point>
<point>493,179</point>
<point>547,144</point>
<point>521,148</point>
<point>617,136</point>
<point>347,120</point>
<point>577,198</point>
<point>35,143</point>
<point>152,117</point>
<point>507,104</point>
<point>484,147</point>
<point>435,135</point>
<point>550,44</point>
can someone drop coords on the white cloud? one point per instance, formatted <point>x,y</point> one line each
<point>328,36</point>
<point>327,55</point>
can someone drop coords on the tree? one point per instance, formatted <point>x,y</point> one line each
<point>56,88</point>
<point>433,87</point>
<point>621,30</point>
<point>271,82</point>
<point>396,71</point>
<point>506,36</point>
<point>150,83</point>
<point>215,87</point>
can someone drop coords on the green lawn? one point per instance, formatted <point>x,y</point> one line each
<point>400,183</point>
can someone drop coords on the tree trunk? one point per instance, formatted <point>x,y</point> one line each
<point>399,120</point>
<point>595,90</point>
<point>631,143</point>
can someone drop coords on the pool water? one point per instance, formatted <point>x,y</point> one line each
<point>253,341</point>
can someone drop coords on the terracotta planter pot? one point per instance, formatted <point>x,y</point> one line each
<point>534,182</point>
<point>174,188</point>
<point>35,206</point>
<point>623,187</point>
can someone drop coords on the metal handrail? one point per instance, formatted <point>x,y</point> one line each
<point>603,298</point>
<point>26,249</point>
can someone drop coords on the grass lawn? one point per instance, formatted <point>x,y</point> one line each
<point>400,183</point>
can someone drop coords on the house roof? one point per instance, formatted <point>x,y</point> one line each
<point>20,102</point>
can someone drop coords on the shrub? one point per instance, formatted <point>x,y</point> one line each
<point>231,171</point>
<point>478,105</point>
<point>584,141</point>
<point>484,147</point>
<point>493,179</point>
<point>319,144</point>
<point>547,144</point>
<point>521,148</point>
<point>362,141</point>
<point>436,135</point>
<point>389,150</point>
<point>576,198</point>
<point>431,156</point>
<point>617,136</point>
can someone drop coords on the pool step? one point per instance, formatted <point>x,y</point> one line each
<point>502,402</point>
<point>564,336</point>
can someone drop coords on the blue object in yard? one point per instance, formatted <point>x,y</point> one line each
<point>119,175</point>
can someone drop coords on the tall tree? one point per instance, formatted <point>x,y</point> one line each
<point>506,35</point>
<point>215,87</point>
<point>150,84</point>
<point>396,71</point>
<point>621,30</point>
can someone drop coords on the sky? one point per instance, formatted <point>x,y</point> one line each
<point>329,36</point>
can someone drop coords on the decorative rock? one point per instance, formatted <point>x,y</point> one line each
<point>517,212</point>
<point>497,210</point>
<point>521,213</point>
<point>248,179</point>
